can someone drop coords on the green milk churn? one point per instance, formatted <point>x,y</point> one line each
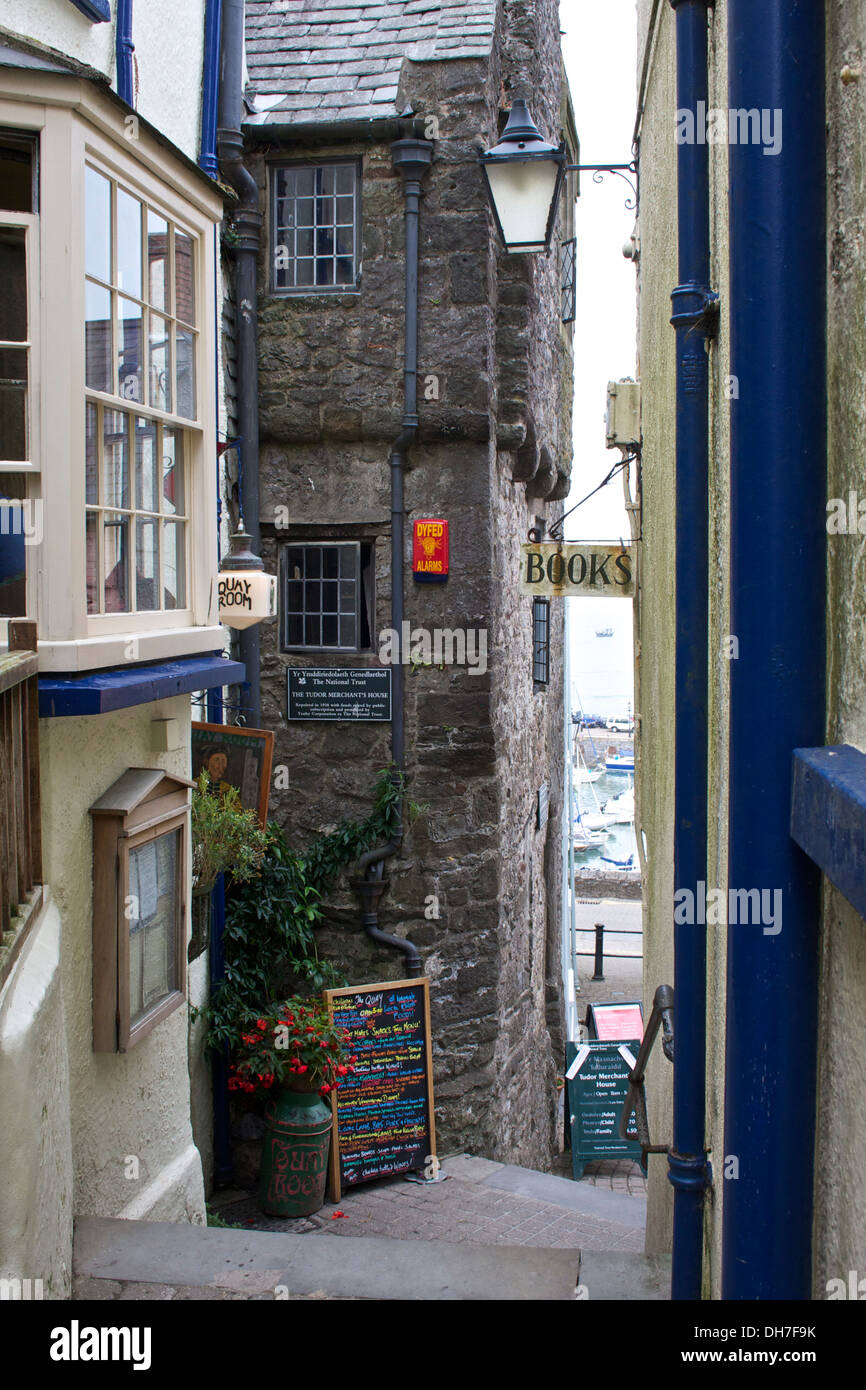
<point>295,1153</point>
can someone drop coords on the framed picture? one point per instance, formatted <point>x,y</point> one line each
<point>235,757</point>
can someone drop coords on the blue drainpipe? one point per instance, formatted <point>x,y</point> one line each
<point>694,318</point>
<point>123,51</point>
<point>210,88</point>
<point>778,511</point>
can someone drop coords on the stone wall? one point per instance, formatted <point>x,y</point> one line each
<point>478,744</point>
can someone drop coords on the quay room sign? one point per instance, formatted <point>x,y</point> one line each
<point>340,693</point>
<point>588,570</point>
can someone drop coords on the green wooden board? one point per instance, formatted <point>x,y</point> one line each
<point>595,1097</point>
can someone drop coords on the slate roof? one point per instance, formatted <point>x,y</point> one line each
<point>314,61</point>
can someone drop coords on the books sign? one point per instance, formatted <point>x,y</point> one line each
<point>593,569</point>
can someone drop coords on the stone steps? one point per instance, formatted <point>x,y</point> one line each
<point>116,1259</point>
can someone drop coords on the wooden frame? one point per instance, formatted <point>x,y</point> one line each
<point>141,807</point>
<point>330,995</point>
<point>210,739</point>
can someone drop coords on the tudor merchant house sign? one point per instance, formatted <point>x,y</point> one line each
<point>592,569</point>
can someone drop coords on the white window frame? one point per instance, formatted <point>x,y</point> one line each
<point>29,221</point>
<point>76,125</point>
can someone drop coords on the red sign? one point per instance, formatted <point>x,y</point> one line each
<point>430,551</point>
<point>617,1021</point>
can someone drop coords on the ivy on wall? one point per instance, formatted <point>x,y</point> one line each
<point>269,938</point>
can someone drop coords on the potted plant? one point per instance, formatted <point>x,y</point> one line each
<point>225,838</point>
<point>297,1056</point>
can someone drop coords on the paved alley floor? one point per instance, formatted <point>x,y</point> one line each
<point>480,1202</point>
<point>486,1231</point>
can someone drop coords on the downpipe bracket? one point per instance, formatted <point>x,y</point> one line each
<point>696,307</point>
<point>689,1172</point>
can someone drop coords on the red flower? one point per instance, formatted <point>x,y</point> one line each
<point>261,1025</point>
<point>336,1215</point>
<point>301,1067</point>
<point>325,1090</point>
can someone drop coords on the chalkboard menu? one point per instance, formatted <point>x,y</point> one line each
<point>596,1078</point>
<point>383,1115</point>
<point>339,693</point>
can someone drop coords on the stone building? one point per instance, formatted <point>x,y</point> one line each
<point>477,883</point>
<point>784,1214</point>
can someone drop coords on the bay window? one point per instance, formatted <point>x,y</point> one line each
<point>108,392</point>
<point>140,348</point>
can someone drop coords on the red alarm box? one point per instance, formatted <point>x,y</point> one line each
<point>430,550</point>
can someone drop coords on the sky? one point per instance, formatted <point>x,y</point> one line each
<point>599,47</point>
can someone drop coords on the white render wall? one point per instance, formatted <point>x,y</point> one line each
<point>36,1205</point>
<point>134,1104</point>
<point>167,62</point>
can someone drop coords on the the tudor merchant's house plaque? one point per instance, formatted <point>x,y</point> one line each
<point>339,693</point>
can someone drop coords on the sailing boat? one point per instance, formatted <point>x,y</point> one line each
<point>620,809</point>
<point>584,837</point>
<point>582,771</point>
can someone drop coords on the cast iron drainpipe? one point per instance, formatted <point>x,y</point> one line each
<point>412,158</point>
<point>776,52</point>
<point>694,318</point>
<point>247,224</point>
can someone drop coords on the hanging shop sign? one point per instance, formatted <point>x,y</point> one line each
<point>430,550</point>
<point>596,1079</point>
<point>383,1111</point>
<point>339,693</point>
<point>588,570</point>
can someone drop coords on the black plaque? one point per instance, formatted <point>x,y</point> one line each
<point>383,1113</point>
<point>340,693</point>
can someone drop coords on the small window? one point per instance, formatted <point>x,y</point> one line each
<point>327,597</point>
<point>540,641</point>
<point>15,515</point>
<point>140,867</point>
<point>18,166</point>
<point>314,228</point>
<point>567,283</point>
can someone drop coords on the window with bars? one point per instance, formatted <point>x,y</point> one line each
<point>327,596</point>
<point>140,353</point>
<point>567,279</point>
<point>541,641</point>
<point>314,227</point>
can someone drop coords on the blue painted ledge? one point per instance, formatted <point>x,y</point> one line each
<point>828,815</point>
<point>99,692</point>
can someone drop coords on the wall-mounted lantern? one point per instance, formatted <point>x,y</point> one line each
<point>524,175</point>
<point>246,594</point>
<point>524,178</point>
